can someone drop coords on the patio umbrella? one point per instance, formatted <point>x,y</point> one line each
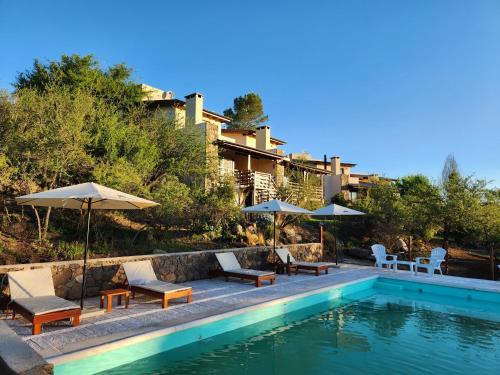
<point>87,196</point>
<point>336,210</point>
<point>275,207</point>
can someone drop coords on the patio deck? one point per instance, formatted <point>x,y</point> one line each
<point>210,298</point>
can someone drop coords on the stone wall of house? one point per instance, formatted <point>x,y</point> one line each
<point>107,273</point>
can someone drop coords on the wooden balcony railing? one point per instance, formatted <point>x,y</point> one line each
<point>296,191</point>
<point>264,185</point>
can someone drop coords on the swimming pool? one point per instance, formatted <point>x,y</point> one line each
<point>376,326</point>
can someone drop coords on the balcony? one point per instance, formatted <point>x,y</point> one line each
<point>296,192</point>
<point>263,186</point>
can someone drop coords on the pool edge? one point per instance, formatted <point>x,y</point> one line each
<point>121,343</point>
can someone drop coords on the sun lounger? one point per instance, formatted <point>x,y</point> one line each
<point>284,256</point>
<point>232,268</point>
<point>33,296</point>
<point>142,279</point>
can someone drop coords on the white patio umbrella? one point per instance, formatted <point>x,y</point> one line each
<point>87,196</point>
<point>336,210</point>
<point>275,207</point>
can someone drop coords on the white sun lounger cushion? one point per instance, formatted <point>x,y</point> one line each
<point>31,283</point>
<point>45,304</point>
<point>244,271</point>
<point>314,264</point>
<point>139,273</point>
<point>163,287</point>
<point>228,261</point>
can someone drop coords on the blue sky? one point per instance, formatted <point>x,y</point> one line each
<point>394,86</point>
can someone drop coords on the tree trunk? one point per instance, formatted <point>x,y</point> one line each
<point>321,241</point>
<point>492,262</point>
<point>46,222</point>
<point>410,245</point>
<point>447,256</point>
<point>38,224</point>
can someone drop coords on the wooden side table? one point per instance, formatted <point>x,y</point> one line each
<point>108,294</point>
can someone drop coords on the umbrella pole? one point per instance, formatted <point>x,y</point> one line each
<point>89,209</point>
<point>274,241</point>
<point>335,242</point>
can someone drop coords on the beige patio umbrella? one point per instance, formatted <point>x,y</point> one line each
<point>87,196</point>
<point>275,207</point>
<point>336,210</point>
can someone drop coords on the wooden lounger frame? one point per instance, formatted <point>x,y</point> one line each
<point>164,296</point>
<point>257,278</point>
<point>38,320</point>
<point>316,269</point>
<point>297,267</point>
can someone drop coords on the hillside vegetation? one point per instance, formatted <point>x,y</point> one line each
<point>71,121</point>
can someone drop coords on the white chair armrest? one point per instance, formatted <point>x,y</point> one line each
<point>393,257</point>
<point>418,260</point>
<point>436,262</point>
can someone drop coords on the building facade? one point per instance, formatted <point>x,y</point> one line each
<point>256,160</point>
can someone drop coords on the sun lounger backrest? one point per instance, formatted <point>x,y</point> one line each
<point>31,283</point>
<point>228,261</point>
<point>140,272</point>
<point>283,255</point>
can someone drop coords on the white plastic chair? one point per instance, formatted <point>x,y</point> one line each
<point>433,262</point>
<point>381,257</point>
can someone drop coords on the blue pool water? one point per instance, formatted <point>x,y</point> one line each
<point>375,327</point>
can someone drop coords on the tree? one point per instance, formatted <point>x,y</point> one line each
<point>387,212</point>
<point>83,73</point>
<point>461,202</point>
<point>422,201</point>
<point>450,167</point>
<point>488,225</point>
<point>247,112</point>
<point>46,139</point>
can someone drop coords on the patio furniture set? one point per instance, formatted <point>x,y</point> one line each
<point>431,264</point>
<point>32,292</point>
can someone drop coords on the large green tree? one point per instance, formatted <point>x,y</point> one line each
<point>46,137</point>
<point>247,112</point>
<point>421,200</point>
<point>76,72</point>
<point>488,225</point>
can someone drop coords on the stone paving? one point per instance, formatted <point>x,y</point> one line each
<point>211,297</point>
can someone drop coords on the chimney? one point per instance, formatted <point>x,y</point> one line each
<point>263,138</point>
<point>335,165</point>
<point>194,109</point>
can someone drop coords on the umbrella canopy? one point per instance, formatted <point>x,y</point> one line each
<point>336,210</point>
<point>86,196</point>
<point>277,206</point>
<point>78,197</point>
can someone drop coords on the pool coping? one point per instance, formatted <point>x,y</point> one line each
<point>120,343</point>
<point>446,280</point>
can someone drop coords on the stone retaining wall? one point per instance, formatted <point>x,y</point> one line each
<point>107,273</point>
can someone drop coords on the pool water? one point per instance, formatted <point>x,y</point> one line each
<point>393,327</point>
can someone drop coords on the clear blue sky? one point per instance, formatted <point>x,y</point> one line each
<point>394,86</point>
